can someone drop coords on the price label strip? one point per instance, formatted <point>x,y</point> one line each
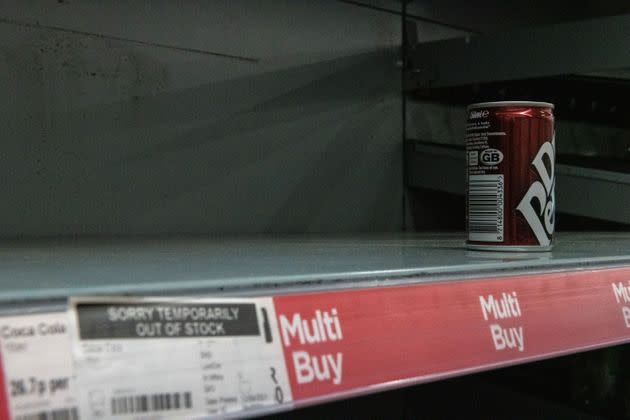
<point>37,365</point>
<point>158,358</point>
<point>177,358</point>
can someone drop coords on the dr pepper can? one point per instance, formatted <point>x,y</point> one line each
<point>510,183</point>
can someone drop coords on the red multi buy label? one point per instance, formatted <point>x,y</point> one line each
<point>344,341</point>
<point>510,151</point>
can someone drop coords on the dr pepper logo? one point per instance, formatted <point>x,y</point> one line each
<point>537,206</point>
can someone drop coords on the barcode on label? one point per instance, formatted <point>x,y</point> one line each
<point>153,402</point>
<point>485,208</point>
<point>63,414</point>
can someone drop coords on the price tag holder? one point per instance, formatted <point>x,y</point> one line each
<point>36,368</point>
<point>177,358</point>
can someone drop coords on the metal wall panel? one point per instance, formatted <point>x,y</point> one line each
<point>224,116</point>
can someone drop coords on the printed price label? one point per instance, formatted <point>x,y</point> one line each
<point>37,364</point>
<point>177,358</point>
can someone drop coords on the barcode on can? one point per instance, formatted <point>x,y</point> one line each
<point>62,414</point>
<point>152,402</point>
<point>485,208</point>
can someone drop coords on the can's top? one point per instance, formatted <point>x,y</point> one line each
<point>511,103</point>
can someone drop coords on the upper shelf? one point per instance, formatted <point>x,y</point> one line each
<point>486,16</point>
<point>586,46</point>
<point>56,269</point>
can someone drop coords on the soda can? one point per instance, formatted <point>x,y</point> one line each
<point>510,183</point>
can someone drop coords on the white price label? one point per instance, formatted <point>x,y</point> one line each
<point>37,364</point>
<point>177,358</point>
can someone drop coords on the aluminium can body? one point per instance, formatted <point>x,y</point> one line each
<point>510,183</point>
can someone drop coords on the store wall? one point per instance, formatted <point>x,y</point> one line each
<point>222,117</point>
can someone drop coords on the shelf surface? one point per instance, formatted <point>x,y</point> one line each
<point>449,312</point>
<point>56,269</point>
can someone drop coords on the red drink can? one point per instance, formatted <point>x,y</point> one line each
<point>510,183</point>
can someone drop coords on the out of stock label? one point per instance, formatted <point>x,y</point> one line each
<point>37,365</point>
<point>177,358</point>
